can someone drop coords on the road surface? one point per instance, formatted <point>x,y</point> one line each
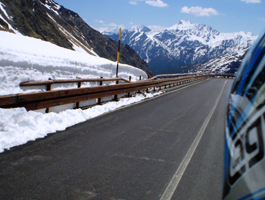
<point>170,147</point>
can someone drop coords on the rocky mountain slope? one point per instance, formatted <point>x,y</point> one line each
<point>228,63</point>
<point>184,44</point>
<point>49,21</point>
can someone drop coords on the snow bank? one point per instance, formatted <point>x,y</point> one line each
<point>17,126</point>
<point>24,58</point>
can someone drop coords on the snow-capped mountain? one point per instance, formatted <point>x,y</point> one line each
<point>228,63</point>
<point>49,21</point>
<point>182,44</point>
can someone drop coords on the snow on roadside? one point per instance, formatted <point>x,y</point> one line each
<point>28,59</point>
<point>17,126</point>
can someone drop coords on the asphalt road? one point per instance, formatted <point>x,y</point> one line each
<point>132,153</point>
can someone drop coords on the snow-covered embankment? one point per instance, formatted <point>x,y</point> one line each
<point>23,59</point>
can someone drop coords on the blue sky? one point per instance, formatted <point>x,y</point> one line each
<point>222,15</point>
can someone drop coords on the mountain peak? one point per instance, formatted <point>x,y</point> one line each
<point>115,30</point>
<point>140,28</point>
<point>182,24</point>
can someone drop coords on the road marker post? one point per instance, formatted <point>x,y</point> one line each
<point>118,60</point>
<point>118,55</point>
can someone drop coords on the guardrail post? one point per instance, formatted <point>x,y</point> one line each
<point>116,96</point>
<point>100,83</point>
<point>130,79</point>
<point>49,85</point>
<point>79,86</point>
<point>140,78</point>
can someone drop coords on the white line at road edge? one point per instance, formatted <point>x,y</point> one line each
<point>173,184</point>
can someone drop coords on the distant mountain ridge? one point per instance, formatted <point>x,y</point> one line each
<point>228,63</point>
<point>183,44</point>
<point>49,21</point>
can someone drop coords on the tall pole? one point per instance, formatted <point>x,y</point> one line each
<point>118,55</point>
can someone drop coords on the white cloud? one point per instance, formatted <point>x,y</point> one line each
<point>252,1</point>
<point>131,23</point>
<point>113,25</point>
<point>199,11</point>
<point>156,3</point>
<point>99,21</point>
<point>133,2</point>
<point>262,19</point>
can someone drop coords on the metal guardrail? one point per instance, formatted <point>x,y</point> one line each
<point>79,80</point>
<point>191,74</point>
<point>52,98</point>
<point>46,99</point>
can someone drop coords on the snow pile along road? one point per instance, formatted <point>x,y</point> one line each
<point>17,126</point>
<point>24,59</point>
